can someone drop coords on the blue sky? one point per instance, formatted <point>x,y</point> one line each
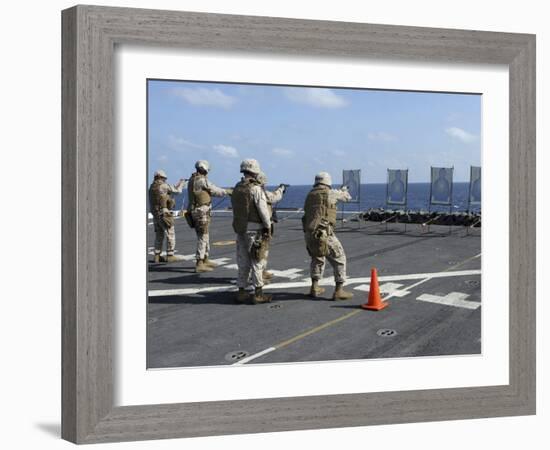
<point>295,132</point>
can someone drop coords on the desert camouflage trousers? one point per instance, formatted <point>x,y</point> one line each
<point>248,267</point>
<point>163,232</point>
<point>336,257</point>
<point>202,226</point>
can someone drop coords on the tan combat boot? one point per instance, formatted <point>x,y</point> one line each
<point>209,263</point>
<point>315,290</point>
<point>202,267</point>
<point>172,258</point>
<point>340,294</point>
<point>156,259</point>
<point>260,297</point>
<point>267,275</point>
<point>242,296</point>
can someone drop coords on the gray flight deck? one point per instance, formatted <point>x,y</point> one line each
<point>433,280</point>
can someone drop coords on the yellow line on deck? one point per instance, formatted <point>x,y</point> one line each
<point>456,266</point>
<point>357,311</point>
<point>316,329</point>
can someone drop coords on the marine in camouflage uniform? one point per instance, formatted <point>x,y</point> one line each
<point>272,198</point>
<point>161,204</point>
<point>200,192</point>
<point>319,221</point>
<point>252,223</point>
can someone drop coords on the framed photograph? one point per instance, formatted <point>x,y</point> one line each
<point>213,165</point>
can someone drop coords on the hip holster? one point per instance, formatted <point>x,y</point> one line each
<point>317,244</point>
<point>260,247</point>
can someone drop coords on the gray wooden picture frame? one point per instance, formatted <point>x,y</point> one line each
<point>90,34</point>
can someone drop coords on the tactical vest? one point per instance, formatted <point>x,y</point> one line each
<point>155,196</point>
<point>244,208</point>
<point>319,208</point>
<point>197,197</point>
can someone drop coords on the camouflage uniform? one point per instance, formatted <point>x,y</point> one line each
<point>161,204</point>
<point>200,192</point>
<point>247,264</point>
<point>336,255</point>
<point>336,258</point>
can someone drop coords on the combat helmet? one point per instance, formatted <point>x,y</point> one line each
<point>202,164</point>
<point>251,166</point>
<point>160,174</point>
<point>323,178</point>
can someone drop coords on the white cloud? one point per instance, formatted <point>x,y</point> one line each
<point>205,97</point>
<point>381,136</point>
<point>162,158</point>
<point>316,97</point>
<point>460,134</point>
<point>226,151</point>
<point>282,152</point>
<point>180,144</point>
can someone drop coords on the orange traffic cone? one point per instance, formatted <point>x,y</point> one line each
<point>375,303</point>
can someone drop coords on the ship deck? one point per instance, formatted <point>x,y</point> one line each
<point>431,280</point>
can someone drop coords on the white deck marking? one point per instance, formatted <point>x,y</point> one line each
<point>291,274</point>
<point>254,356</point>
<point>189,291</point>
<point>362,287</point>
<point>411,276</point>
<point>222,243</point>
<point>386,288</point>
<point>394,289</point>
<point>181,257</point>
<point>220,261</point>
<point>151,251</point>
<point>457,299</point>
<point>423,277</point>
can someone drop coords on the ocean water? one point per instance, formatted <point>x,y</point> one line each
<point>372,196</point>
